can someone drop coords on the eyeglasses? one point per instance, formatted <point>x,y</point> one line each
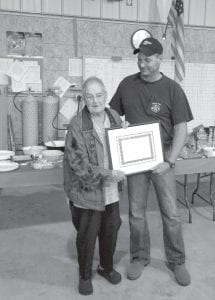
<point>96,96</point>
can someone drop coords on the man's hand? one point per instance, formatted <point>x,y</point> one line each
<point>161,168</point>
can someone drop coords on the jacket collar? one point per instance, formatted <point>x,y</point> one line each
<point>87,123</point>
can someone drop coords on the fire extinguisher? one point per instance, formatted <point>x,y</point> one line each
<point>3,116</point>
<point>50,109</point>
<point>30,120</point>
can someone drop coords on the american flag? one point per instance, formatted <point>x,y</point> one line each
<point>176,20</point>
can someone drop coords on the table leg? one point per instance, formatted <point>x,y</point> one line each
<point>196,192</point>
<point>211,194</point>
<point>186,198</point>
<point>185,201</point>
<point>196,189</point>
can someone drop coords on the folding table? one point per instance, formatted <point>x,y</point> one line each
<point>202,167</point>
<point>27,176</point>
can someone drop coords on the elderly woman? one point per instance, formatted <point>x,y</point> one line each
<point>91,186</point>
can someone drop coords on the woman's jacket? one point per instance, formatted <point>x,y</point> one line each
<point>84,174</point>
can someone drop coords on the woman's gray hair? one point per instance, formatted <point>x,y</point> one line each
<point>92,79</point>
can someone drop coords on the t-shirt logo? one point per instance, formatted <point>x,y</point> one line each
<point>155,107</point>
<point>147,43</point>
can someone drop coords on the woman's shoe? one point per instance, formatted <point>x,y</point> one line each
<point>85,286</point>
<point>113,277</point>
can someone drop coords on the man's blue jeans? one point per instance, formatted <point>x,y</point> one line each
<point>165,187</point>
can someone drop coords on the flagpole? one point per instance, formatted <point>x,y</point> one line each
<point>164,34</point>
<point>176,20</point>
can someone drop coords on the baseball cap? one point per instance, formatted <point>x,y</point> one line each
<point>149,46</point>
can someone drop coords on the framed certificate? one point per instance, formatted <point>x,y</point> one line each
<point>135,149</point>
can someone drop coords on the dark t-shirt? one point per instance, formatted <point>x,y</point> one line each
<point>141,102</point>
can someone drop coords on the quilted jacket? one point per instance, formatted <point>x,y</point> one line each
<point>84,174</point>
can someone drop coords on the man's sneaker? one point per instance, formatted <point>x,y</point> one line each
<point>182,276</point>
<point>113,277</point>
<point>135,269</point>
<point>85,286</point>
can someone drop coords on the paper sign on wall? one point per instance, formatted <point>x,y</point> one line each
<point>4,66</point>
<point>70,108</point>
<point>17,70</point>
<point>75,67</point>
<point>61,85</point>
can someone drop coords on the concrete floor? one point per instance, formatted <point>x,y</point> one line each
<point>38,254</point>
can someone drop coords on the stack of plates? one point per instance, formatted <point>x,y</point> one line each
<point>33,150</point>
<point>55,145</point>
<point>7,165</point>
<point>5,154</point>
<point>52,155</point>
<point>209,151</point>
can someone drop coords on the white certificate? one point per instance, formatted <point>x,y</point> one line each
<point>135,149</point>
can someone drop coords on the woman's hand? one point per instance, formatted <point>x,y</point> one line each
<point>116,176</point>
<point>125,124</point>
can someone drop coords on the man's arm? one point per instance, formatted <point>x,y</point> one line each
<point>179,139</point>
<point>116,102</point>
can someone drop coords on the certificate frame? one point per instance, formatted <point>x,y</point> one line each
<point>135,149</point>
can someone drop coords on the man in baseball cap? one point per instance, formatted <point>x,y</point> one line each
<point>150,96</point>
<point>149,46</point>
